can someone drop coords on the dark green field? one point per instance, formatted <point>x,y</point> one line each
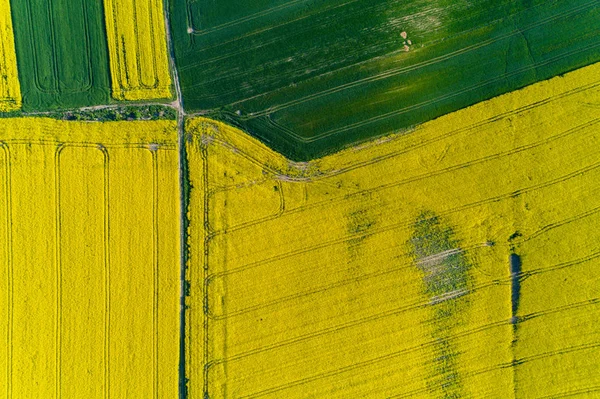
<point>308,76</point>
<point>61,53</point>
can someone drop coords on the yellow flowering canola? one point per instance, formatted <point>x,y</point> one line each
<point>10,90</point>
<point>89,259</point>
<point>457,260</point>
<point>136,35</point>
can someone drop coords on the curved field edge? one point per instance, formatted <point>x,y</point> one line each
<point>289,262</point>
<point>10,89</point>
<point>327,76</point>
<point>504,104</point>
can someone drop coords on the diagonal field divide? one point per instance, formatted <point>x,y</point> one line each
<point>309,77</point>
<point>10,90</point>
<point>89,276</point>
<point>62,51</point>
<point>139,64</point>
<point>389,269</point>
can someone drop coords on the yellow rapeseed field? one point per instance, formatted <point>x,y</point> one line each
<point>137,47</point>
<point>457,260</point>
<point>10,90</point>
<point>89,255</point>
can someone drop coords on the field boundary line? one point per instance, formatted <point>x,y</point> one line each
<point>367,163</point>
<point>359,165</point>
<point>183,171</point>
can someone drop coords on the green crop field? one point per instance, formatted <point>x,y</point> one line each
<point>61,53</point>
<point>308,77</point>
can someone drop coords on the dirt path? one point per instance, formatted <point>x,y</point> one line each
<point>178,105</point>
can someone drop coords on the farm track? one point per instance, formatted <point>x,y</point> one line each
<point>184,204</point>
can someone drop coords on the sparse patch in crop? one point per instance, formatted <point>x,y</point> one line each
<point>446,280</point>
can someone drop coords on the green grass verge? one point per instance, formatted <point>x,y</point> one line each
<point>118,113</point>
